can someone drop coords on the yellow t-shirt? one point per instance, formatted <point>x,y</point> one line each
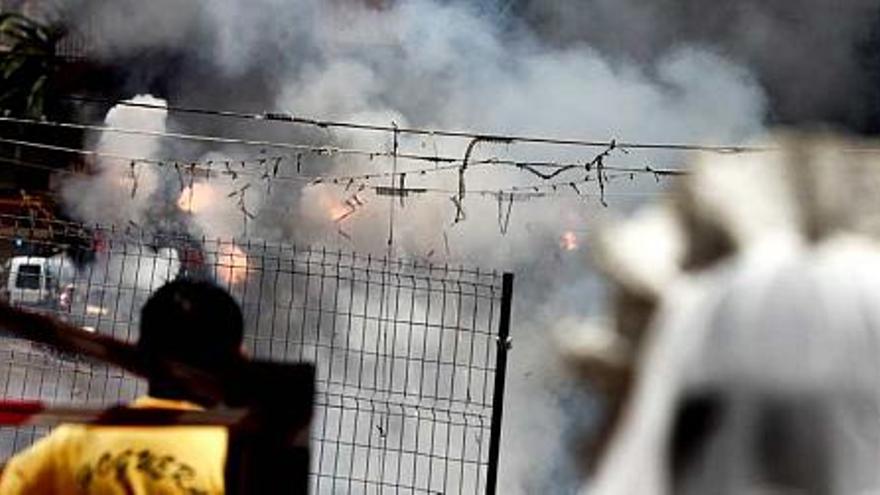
<point>105,460</point>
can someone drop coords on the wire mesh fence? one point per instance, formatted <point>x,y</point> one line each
<point>407,354</point>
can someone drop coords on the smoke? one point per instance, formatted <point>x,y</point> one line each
<point>424,63</point>
<point>219,206</point>
<point>119,190</point>
<point>817,60</point>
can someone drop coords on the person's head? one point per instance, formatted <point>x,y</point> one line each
<point>195,322</point>
<point>760,379</point>
<point>758,369</point>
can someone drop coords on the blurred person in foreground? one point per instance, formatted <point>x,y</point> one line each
<point>754,367</point>
<point>193,322</point>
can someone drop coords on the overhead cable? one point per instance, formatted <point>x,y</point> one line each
<point>285,117</point>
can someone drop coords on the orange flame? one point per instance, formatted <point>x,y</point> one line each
<point>232,264</point>
<point>196,198</point>
<point>568,241</point>
<point>338,210</point>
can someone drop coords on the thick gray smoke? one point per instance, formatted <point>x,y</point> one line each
<point>439,64</point>
<point>817,59</point>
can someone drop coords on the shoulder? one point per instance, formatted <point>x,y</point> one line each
<point>63,438</point>
<point>35,469</point>
<point>66,433</point>
<point>58,445</point>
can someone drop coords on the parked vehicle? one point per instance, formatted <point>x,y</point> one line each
<point>37,281</point>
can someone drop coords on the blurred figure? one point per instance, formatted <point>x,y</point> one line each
<point>754,362</point>
<point>192,322</point>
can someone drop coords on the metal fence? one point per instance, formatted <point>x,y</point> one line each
<point>410,372</point>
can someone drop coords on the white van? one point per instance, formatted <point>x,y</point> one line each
<point>33,281</point>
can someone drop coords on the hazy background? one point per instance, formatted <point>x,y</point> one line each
<point>634,70</point>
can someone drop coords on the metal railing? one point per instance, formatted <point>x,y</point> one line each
<point>410,356</point>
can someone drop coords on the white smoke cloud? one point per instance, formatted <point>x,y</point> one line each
<point>119,190</point>
<point>427,63</point>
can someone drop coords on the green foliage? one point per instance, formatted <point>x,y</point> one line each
<point>28,63</point>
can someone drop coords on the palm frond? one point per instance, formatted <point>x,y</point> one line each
<point>27,62</point>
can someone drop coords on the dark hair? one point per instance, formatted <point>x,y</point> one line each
<point>196,322</point>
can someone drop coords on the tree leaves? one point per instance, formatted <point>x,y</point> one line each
<point>28,62</point>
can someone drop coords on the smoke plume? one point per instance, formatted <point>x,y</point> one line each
<point>817,60</point>
<point>119,190</point>
<point>422,63</point>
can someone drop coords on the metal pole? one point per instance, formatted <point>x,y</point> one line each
<point>500,377</point>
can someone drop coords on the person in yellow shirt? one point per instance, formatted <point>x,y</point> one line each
<point>194,322</point>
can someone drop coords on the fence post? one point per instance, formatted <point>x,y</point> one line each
<point>500,377</point>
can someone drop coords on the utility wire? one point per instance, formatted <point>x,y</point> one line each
<point>213,166</point>
<point>39,166</point>
<point>532,190</point>
<point>313,149</point>
<point>496,137</point>
<point>512,193</point>
<point>542,192</point>
<point>208,168</point>
<point>519,192</point>
<point>483,136</point>
<point>216,167</point>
